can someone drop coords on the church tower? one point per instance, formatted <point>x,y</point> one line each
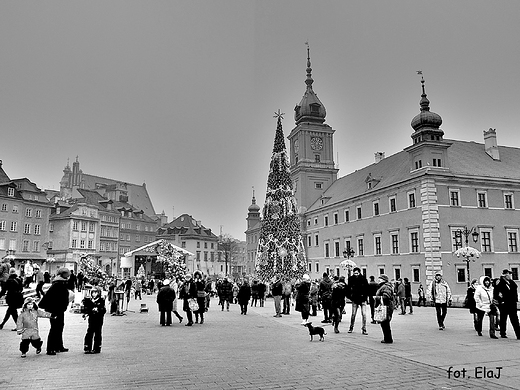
<point>311,148</point>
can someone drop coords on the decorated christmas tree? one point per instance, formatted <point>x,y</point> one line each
<point>280,248</point>
<point>90,268</point>
<point>174,264</point>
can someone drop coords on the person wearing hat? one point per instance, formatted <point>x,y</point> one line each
<point>27,326</point>
<point>385,296</point>
<point>505,294</point>
<point>439,293</point>
<point>188,291</point>
<point>14,296</point>
<point>165,298</point>
<point>483,299</point>
<point>55,301</point>
<point>95,310</point>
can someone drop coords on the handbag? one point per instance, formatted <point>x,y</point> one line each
<point>381,312</point>
<point>193,305</point>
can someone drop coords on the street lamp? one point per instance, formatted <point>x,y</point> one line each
<point>348,264</point>
<point>468,254</point>
<point>348,253</point>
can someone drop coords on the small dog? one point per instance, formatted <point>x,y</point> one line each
<point>316,330</point>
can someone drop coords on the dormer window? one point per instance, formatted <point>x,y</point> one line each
<point>10,192</point>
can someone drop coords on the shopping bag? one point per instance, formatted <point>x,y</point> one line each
<point>381,313</point>
<point>193,305</point>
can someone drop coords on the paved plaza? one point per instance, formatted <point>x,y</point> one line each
<point>258,351</point>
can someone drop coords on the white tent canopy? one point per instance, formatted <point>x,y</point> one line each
<point>151,244</point>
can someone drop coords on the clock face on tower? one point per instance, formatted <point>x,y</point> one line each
<point>316,143</point>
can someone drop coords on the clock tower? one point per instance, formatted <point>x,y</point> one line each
<point>311,148</point>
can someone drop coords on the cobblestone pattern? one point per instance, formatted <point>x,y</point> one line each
<point>229,351</point>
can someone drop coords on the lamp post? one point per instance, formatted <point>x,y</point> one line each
<point>466,233</point>
<point>348,253</point>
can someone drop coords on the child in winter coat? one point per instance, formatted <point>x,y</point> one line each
<point>27,326</point>
<point>95,310</point>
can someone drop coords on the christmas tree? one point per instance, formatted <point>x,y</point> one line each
<point>280,247</point>
<point>174,264</point>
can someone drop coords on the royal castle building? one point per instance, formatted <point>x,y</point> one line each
<point>405,215</point>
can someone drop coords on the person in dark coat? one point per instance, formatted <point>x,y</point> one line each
<point>80,280</point>
<point>372,289</point>
<point>339,293</point>
<point>55,301</point>
<point>325,294</point>
<point>226,293</point>
<point>188,291</point>
<point>72,281</point>
<point>254,293</point>
<point>505,294</point>
<point>244,294</point>
<point>165,298</point>
<point>276,291</point>
<point>14,297</point>
<point>302,298</point>
<point>357,292</point>
<point>201,296</point>
<point>385,296</point>
<point>95,310</point>
<point>469,302</point>
<point>261,293</point>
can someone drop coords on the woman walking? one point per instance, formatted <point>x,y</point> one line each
<point>302,298</point>
<point>201,297</point>
<point>484,305</point>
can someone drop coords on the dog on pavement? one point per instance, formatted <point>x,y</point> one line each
<point>316,330</point>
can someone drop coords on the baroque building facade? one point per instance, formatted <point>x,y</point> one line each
<point>24,219</point>
<point>403,215</point>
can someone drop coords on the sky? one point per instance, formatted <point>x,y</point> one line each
<point>180,95</point>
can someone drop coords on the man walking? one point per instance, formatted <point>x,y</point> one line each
<point>439,293</point>
<point>358,292</point>
<point>325,293</point>
<point>505,293</point>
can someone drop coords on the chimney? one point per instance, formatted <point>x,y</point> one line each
<point>379,156</point>
<point>490,141</point>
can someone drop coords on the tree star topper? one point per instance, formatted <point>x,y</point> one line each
<point>279,114</point>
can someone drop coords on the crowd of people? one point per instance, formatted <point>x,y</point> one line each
<point>495,299</point>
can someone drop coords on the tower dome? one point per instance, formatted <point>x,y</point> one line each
<point>310,108</point>
<point>254,208</point>
<point>426,118</point>
<point>426,124</point>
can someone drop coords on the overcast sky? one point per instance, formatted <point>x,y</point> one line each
<point>181,94</point>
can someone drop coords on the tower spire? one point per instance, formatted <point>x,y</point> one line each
<point>309,79</point>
